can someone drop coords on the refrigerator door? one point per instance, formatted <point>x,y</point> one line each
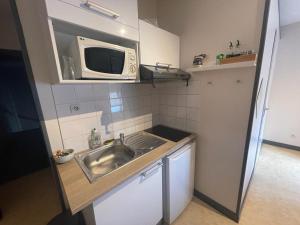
<point>179,175</point>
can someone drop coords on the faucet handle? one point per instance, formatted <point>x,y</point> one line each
<point>122,137</point>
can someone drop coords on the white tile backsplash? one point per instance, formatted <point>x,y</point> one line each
<point>84,92</point>
<point>181,113</point>
<point>193,114</point>
<point>64,94</point>
<point>193,88</point>
<point>172,111</point>
<point>77,143</point>
<point>193,101</point>
<point>123,108</point>
<point>179,105</point>
<point>110,108</point>
<point>115,91</point>
<point>163,110</point>
<point>181,100</point>
<point>101,91</point>
<point>172,100</point>
<point>70,129</point>
<point>103,106</point>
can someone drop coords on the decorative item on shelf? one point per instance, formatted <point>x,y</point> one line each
<point>94,139</point>
<point>199,59</point>
<point>219,58</point>
<point>69,68</point>
<point>243,57</point>
<point>237,55</point>
<point>63,156</point>
<point>233,53</point>
<point>238,44</point>
<point>230,45</point>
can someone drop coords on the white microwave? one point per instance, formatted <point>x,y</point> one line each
<point>100,60</point>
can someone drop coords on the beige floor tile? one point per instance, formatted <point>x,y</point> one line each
<point>273,198</point>
<point>30,200</point>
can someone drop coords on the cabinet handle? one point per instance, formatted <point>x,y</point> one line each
<point>163,65</point>
<point>151,171</point>
<point>95,6</point>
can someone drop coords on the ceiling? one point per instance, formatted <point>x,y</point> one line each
<point>289,11</point>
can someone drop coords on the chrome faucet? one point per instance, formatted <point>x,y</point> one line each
<point>122,138</point>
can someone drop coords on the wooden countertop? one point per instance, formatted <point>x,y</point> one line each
<point>80,193</point>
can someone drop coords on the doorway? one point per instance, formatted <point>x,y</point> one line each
<point>28,191</point>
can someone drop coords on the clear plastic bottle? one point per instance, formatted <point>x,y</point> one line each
<point>94,139</point>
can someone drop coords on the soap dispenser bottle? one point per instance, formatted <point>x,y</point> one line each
<point>94,139</point>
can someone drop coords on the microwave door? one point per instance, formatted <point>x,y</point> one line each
<point>103,63</point>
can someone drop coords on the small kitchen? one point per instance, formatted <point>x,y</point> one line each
<point>146,104</point>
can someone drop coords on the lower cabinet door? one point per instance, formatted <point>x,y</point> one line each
<point>136,202</point>
<point>180,167</point>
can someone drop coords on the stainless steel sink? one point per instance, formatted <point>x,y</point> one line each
<point>99,162</point>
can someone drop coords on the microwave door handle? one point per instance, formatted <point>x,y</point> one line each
<point>95,6</point>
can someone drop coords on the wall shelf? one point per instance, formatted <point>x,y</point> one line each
<point>221,67</point>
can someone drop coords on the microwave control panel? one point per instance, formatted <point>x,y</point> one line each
<point>132,68</point>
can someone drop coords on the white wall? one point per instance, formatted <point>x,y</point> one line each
<point>215,105</point>
<point>8,37</point>
<point>283,121</point>
<point>289,12</point>
<point>207,26</point>
<point>148,10</point>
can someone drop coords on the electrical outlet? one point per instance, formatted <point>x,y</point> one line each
<point>74,108</point>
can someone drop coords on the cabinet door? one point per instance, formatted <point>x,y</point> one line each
<point>118,17</point>
<point>126,9</point>
<point>158,45</point>
<point>180,181</point>
<point>138,201</point>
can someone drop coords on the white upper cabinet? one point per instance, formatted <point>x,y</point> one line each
<point>118,17</point>
<point>158,45</point>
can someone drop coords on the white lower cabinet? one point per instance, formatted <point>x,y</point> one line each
<point>179,181</point>
<point>135,202</point>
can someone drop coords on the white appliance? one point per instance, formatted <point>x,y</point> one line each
<point>179,177</point>
<point>100,60</point>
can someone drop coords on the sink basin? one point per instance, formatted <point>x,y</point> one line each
<point>99,162</point>
<point>143,143</point>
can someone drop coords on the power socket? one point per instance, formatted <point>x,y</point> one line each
<point>74,108</point>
